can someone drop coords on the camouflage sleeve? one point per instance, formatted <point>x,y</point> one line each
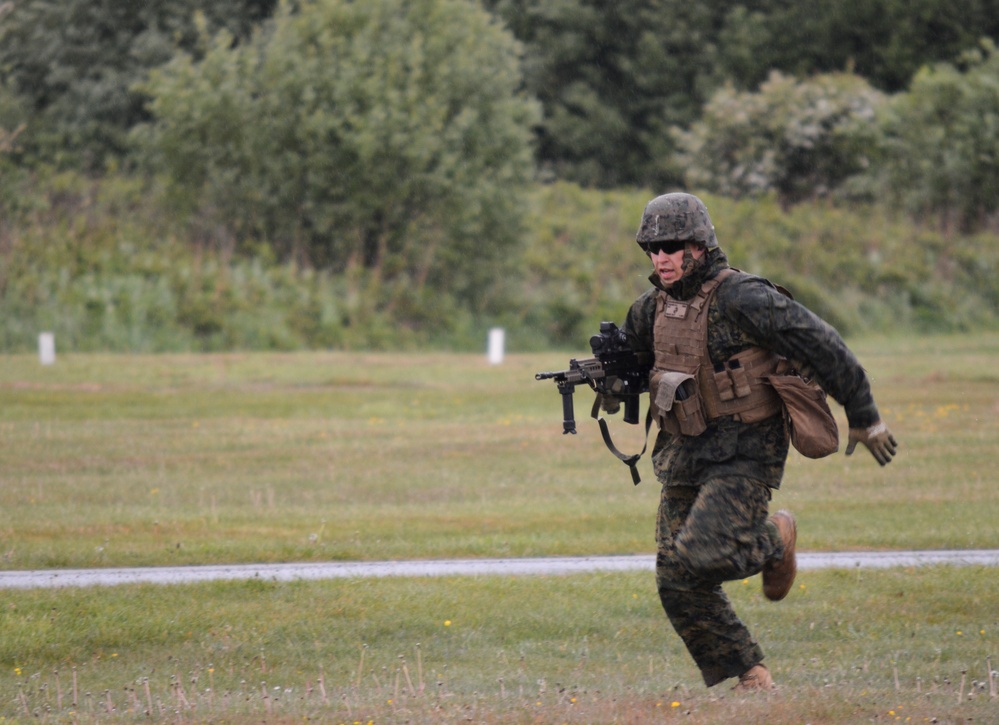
<point>790,329</point>
<point>638,324</point>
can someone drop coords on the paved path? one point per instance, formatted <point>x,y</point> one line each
<point>454,567</point>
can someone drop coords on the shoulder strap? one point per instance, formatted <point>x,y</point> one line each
<point>630,461</point>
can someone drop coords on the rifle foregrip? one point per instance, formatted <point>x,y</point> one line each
<point>568,414</point>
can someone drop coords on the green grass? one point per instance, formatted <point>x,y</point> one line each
<point>152,460</point>
<point>846,646</point>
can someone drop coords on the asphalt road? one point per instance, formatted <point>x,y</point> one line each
<point>549,566</point>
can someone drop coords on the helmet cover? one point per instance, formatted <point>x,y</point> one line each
<point>677,217</point>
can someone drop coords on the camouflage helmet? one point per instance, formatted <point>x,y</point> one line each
<point>677,217</point>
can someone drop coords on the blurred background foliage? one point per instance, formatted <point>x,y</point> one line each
<point>333,174</point>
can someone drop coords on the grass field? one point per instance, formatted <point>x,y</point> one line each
<point>145,461</point>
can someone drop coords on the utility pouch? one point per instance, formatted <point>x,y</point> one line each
<point>677,403</point>
<point>814,433</point>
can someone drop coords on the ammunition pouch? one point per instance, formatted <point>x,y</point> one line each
<point>676,403</point>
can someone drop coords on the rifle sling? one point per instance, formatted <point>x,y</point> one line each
<point>630,461</point>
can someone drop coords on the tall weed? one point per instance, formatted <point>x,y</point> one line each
<point>100,264</point>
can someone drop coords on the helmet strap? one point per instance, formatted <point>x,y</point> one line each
<point>689,263</point>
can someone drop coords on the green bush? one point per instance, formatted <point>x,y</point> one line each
<point>389,136</point>
<point>101,266</point>
<point>800,139</point>
<point>862,268</point>
<point>940,143</point>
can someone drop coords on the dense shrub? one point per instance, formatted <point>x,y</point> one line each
<point>800,139</point>
<point>386,137</point>
<point>862,268</point>
<point>99,265</point>
<point>942,143</point>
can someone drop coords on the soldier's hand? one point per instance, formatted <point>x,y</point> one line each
<point>609,404</point>
<point>877,438</point>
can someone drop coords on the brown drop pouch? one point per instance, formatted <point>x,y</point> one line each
<point>814,433</point>
<point>677,404</point>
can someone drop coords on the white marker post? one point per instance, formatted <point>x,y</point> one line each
<point>496,340</point>
<point>46,348</point>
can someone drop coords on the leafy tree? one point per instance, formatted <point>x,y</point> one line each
<point>943,142</point>
<point>385,139</point>
<point>75,62</point>
<point>612,79</point>
<point>885,41</point>
<point>797,139</point>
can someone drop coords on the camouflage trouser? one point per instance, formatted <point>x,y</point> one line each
<point>708,535</point>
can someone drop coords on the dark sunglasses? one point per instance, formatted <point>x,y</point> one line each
<point>668,247</point>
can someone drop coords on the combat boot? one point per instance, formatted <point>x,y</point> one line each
<point>778,576</point>
<point>754,679</point>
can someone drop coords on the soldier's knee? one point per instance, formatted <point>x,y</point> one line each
<point>702,562</point>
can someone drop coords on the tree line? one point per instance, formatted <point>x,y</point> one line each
<point>613,79</point>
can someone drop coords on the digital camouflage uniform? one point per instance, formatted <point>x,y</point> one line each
<point>712,524</point>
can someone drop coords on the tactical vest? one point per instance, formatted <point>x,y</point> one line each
<point>686,389</point>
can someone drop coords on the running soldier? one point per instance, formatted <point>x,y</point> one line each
<point>717,335</point>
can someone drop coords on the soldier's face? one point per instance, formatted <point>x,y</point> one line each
<point>667,260</point>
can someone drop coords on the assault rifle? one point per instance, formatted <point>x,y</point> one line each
<point>615,373</point>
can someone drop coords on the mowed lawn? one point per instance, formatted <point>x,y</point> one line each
<point>113,460</point>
